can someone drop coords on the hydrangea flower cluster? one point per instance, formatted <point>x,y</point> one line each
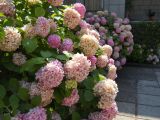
<point>19,59</point>
<point>51,75</point>
<point>7,7</point>
<point>107,114</point>
<point>56,2</point>
<point>89,44</point>
<point>71,18</point>
<point>119,37</point>
<point>37,113</point>
<point>77,68</point>
<point>107,90</point>
<point>42,27</point>
<point>72,99</point>
<point>12,40</point>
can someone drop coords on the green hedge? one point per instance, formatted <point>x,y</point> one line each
<point>146,37</point>
<point>147,33</point>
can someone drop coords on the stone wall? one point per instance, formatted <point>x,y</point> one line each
<point>117,6</point>
<point>140,9</point>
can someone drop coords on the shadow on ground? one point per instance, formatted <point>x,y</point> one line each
<point>139,93</point>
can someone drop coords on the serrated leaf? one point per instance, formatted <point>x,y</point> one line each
<point>58,95</point>
<point>46,54</point>
<point>36,101</point>
<point>6,116</point>
<point>62,57</point>
<point>12,67</point>
<point>76,116</point>
<point>30,45</point>
<point>89,83</point>
<point>39,11</point>
<point>88,95</point>
<point>13,84</point>
<point>30,64</point>
<point>2,92</point>
<point>14,101</point>
<point>23,94</point>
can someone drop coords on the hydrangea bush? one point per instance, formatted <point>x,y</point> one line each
<point>52,66</point>
<point>114,31</point>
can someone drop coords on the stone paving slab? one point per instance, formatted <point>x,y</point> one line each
<point>158,77</point>
<point>126,85</point>
<point>126,97</point>
<point>148,112</point>
<point>147,83</point>
<point>120,117</point>
<point>127,109</point>
<point>148,100</point>
<point>149,90</point>
<point>139,94</point>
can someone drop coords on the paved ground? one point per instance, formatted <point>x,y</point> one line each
<point>139,96</point>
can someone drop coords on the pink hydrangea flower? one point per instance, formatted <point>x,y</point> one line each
<point>67,45</point>
<point>113,14</point>
<point>102,42</point>
<point>110,42</point>
<point>37,113</point>
<point>80,8</point>
<point>123,61</point>
<point>118,64</point>
<point>83,24</point>
<point>111,61</point>
<point>54,41</point>
<point>42,26</point>
<point>71,18</point>
<point>93,60</point>
<point>102,61</point>
<point>56,2</point>
<point>51,75</point>
<point>72,99</point>
<point>116,49</point>
<point>107,114</point>
<point>103,21</point>
<point>118,30</point>
<point>126,21</point>
<point>116,55</point>
<point>77,68</point>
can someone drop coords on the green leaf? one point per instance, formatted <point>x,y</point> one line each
<point>23,94</point>
<point>101,77</point>
<point>1,103</point>
<point>13,84</point>
<point>88,95</point>
<point>39,11</point>
<point>62,57</point>
<point>89,83</point>
<point>6,116</point>
<point>36,101</point>
<point>14,101</point>
<point>46,54</point>
<point>30,45</point>
<point>1,14</point>
<point>2,91</point>
<point>2,34</point>
<point>12,67</point>
<point>75,116</point>
<point>30,64</point>
<point>58,95</point>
